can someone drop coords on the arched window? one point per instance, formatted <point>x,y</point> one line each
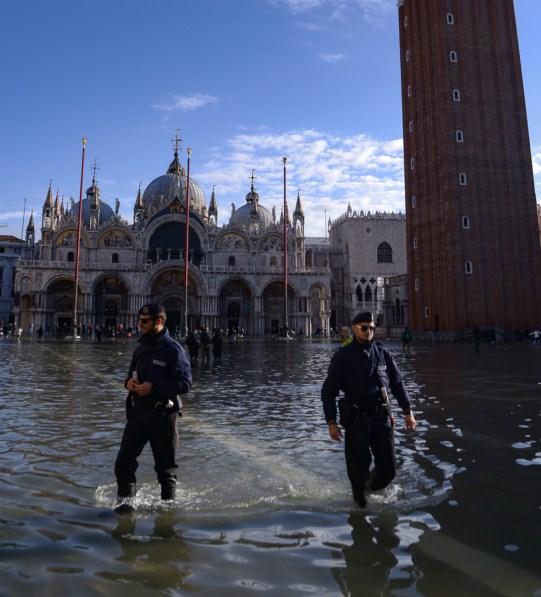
<point>114,257</point>
<point>359,292</point>
<point>231,261</point>
<point>71,256</point>
<point>274,261</point>
<point>368,295</point>
<point>385,253</point>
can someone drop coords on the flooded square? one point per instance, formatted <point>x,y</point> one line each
<point>263,504</point>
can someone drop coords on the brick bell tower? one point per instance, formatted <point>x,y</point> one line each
<point>474,255</point>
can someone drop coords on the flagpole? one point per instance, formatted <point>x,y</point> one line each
<point>286,321</point>
<point>78,243</point>
<point>24,214</point>
<point>187,244</point>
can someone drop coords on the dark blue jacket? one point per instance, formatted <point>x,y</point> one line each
<point>358,370</point>
<point>162,361</point>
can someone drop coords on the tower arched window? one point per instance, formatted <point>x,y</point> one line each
<point>368,294</point>
<point>114,258</point>
<point>453,56</point>
<point>71,256</point>
<point>359,292</point>
<point>456,95</point>
<point>274,261</point>
<point>231,261</point>
<point>468,268</point>
<point>385,253</point>
<point>450,18</point>
<point>462,179</point>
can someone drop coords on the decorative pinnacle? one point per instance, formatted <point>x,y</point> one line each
<point>85,141</point>
<point>252,178</point>
<point>94,169</point>
<point>177,141</point>
<point>284,159</point>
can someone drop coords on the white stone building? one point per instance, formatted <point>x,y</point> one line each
<point>235,271</point>
<point>365,250</point>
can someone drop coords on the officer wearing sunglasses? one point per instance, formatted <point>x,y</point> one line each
<point>364,371</point>
<point>159,372</point>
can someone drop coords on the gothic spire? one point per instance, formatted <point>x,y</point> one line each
<point>49,198</point>
<point>30,227</point>
<point>298,206</point>
<point>213,208</point>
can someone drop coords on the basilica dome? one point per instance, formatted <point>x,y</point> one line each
<point>162,191</point>
<point>106,211</point>
<point>252,211</point>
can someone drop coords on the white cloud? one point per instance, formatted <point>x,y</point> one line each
<point>331,171</point>
<point>338,9</point>
<point>186,103</point>
<point>332,58</point>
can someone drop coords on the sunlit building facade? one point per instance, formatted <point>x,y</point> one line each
<point>236,278</point>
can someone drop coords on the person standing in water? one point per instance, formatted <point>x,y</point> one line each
<point>364,370</point>
<point>159,373</point>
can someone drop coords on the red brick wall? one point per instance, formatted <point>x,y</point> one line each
<point>502,242</point>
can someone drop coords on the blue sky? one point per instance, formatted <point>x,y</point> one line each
<point>245,81</point>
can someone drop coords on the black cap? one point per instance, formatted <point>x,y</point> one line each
<point>152,310</point>
<point>364,317</point>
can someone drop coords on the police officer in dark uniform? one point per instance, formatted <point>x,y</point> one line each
<point>159,372</point>
<point>364,370</point>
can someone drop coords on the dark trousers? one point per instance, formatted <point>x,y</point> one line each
<point>161,431</point>
<point>367,437</point>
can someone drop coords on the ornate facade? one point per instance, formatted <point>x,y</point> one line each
<point>235,270</point>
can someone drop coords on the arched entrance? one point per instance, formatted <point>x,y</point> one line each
<point>59,307</point>
<point>236,307</point>
<point>174,307</point>
<point>273,307</point>
<point>168,289</point>
<point>110,302</point>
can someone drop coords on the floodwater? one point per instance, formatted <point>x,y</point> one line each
<point>264,506</point>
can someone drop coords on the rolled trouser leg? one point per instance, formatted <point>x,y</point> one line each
<point>382,446</point>
<point>358,457</point>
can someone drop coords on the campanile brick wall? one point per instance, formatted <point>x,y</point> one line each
<point>464,114</point>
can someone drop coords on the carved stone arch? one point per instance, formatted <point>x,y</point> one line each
<point>61,233</point>
<point>272,241</point>
<point>273,279</point>
<point>222,241</point>
<point>64,276</point>
<point>102,275</point>
<point>194,273</point>
<point>320,288</point>
<point>237,278</point>
<point>105,232</point>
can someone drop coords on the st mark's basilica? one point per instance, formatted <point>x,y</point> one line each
<point>235,270</point>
